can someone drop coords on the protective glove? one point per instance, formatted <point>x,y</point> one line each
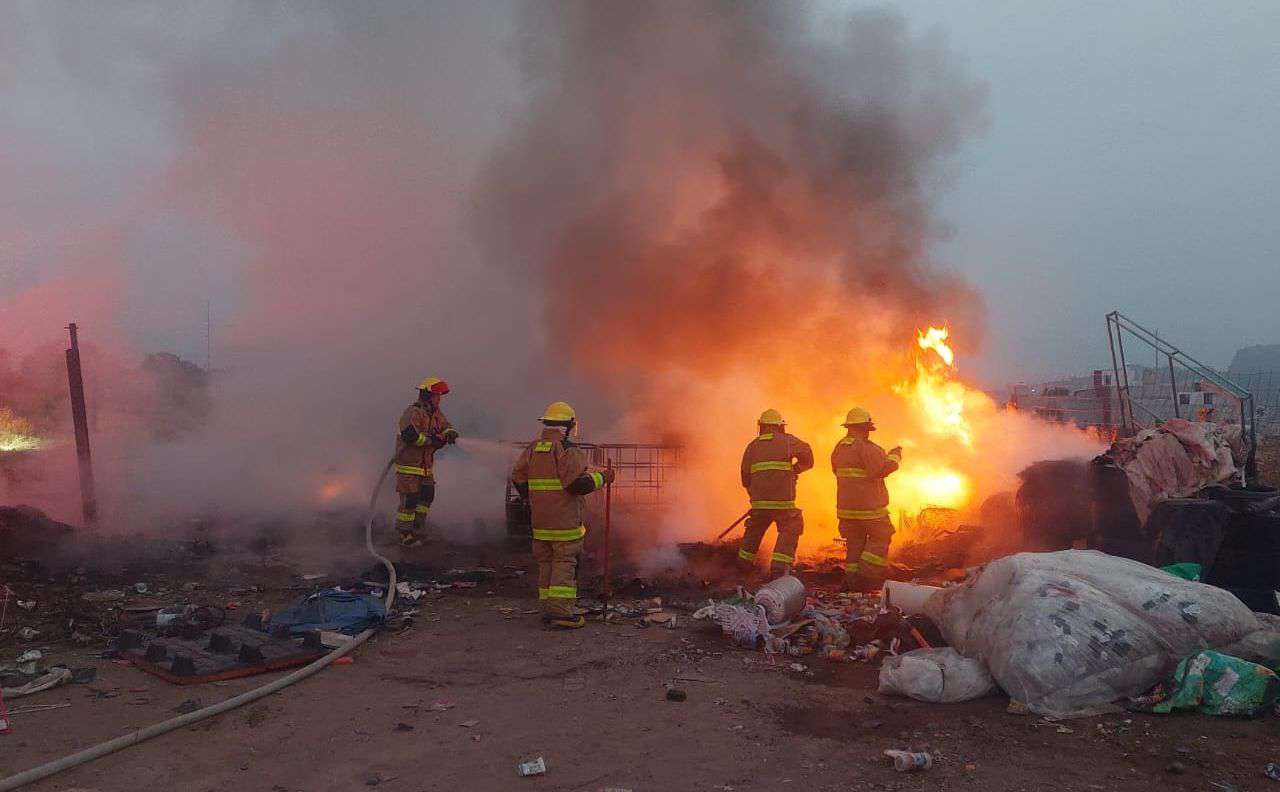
<point>896,451</point>
<point>409,434</point>
<point>450,436</point>
<point>609,475</point>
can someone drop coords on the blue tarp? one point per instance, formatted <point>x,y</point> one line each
<point>337,611</point>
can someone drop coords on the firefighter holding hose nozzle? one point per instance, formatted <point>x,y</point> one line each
<point>421,432</point>
<point>862,501</point>
<point>552,474</point>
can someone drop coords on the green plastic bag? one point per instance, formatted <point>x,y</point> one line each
<point>1218,684</point>
<point>1186,570</point>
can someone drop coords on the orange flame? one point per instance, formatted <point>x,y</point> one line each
<point>16,434</point>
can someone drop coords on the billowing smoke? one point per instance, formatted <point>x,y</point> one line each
<point>672,215</point>
<point>693,186</point>
<point>729,206</point>
<point>304,171</point>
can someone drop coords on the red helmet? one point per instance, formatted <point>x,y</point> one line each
<point>434,385</point>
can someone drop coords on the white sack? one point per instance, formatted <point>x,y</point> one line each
<point>941,676</point>
<point>1067,633</point>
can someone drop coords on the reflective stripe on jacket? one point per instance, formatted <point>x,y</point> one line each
<point>415,458</point>
<point>860,467</point>
<point>548,468</point>
<point>770,465</point>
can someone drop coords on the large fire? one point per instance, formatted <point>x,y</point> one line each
<point>959,445</point>
<point>16,433</point>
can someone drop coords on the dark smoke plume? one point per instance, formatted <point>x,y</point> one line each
<point>694,183</point>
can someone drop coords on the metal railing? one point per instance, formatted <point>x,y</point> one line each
<point>1118,325</point>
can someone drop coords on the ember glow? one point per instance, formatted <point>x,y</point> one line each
<point>16,434</point>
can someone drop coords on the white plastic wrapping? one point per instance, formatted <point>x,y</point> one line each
<point>941,676</point>
<point>1068,633</point>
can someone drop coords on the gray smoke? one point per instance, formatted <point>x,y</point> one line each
<point>690,183</point>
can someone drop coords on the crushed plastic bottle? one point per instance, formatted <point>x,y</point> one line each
<point>910,761</point>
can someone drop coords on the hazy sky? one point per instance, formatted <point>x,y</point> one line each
<point>1129,161</point>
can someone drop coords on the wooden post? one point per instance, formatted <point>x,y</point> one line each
<point>80,419</point>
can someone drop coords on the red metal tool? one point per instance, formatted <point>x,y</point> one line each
<point>605,590</point>
<point>726,531</point>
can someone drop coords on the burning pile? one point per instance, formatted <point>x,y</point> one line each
<point>743,224</point>
<point>16,433</point>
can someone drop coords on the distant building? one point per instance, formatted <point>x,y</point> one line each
<point>1093,401</point>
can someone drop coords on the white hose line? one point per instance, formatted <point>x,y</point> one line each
<point>157,729</point>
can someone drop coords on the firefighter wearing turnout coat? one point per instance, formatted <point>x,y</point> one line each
<point>862,501</point>
<point>421,432</point>
<point>770,465</point>
<point>552,473</point>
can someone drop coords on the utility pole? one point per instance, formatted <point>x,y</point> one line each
<point>80,419</point>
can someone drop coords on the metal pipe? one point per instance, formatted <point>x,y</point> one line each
<point>80,419</point>
<point>1128,391</point>
<point>605,590</point>
<point>1115,372</point>
<point>1173,383</point>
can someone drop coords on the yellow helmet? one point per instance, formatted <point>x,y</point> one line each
<point>857,417</point>
<point>435,385</point>
<point>558,411</point>
<point>771,417</point>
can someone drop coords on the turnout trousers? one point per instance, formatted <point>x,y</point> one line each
<point>866,551</point>
<point>557,576</point>
<point>790,525</point>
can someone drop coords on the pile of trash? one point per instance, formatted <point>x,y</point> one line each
<point>1175,459</point>
<point>782,618</point>
<point>1064,634</point>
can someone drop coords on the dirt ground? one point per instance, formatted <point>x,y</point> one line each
<point>477,685</point>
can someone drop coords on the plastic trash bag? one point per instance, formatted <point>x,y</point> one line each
<point>1070,632</point>
<point>1218,684</point>
<point>331,610</point>
<point>941,676</point>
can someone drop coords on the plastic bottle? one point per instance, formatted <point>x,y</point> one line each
<point>910,761</point>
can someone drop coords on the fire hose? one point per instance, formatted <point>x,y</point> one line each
<point>164,727</point>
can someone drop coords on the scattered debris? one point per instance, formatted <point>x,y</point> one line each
<point>109,595</point>
<point>404,727</point>
<point>1218,684</point>
<point>676,694</point>
<point>910,761</point>
<point>468,724</point>
<point>38,708</point>
<point>536,767</point>
<point>1271,770</point>
<point>188,706</point>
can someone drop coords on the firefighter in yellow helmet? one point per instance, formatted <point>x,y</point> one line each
<point>552,473</point>
<point>862,501</point>
<point>771,464</point>
<point>421,432</point>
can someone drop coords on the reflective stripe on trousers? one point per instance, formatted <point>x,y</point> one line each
<point>410,470</point>
<point>862,514</point>
<point>763,504</point>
